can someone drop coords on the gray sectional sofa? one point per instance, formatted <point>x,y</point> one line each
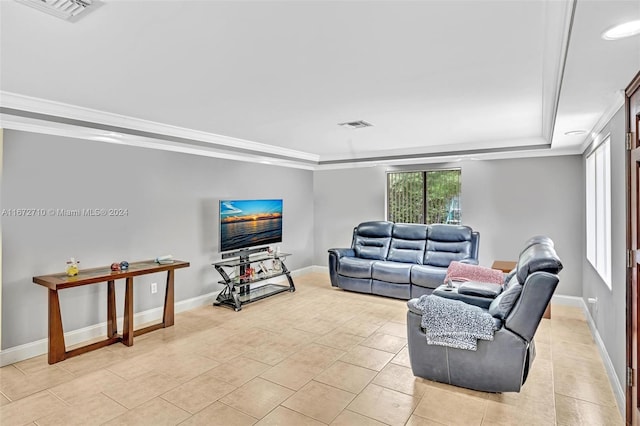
<point>401,260</point>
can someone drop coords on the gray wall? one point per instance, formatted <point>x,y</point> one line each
<point>507,201</point>
<point>172,202</point>
<point>342,199</point>
<point>609,313</point>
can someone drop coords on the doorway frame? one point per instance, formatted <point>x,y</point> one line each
<point>629,91</point>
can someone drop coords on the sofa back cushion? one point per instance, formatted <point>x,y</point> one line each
<point>446,243</point>
<point>407,243</point>
<point>371,240</point>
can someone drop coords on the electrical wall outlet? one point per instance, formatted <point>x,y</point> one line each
<point>154,288</point>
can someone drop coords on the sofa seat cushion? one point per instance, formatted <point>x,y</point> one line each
<point>355,267</point>
<point>392,272</point>
<point>427,275</point>
<point>395,290</point>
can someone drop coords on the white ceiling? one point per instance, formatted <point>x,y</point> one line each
<point>436,78</point>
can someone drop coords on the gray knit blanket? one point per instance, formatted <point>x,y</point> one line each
<point>453,323</point>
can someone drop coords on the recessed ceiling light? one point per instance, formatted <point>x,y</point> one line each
<point>625,30</point>
<point>575,132</point>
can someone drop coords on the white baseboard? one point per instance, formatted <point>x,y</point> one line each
<point>574,301</point>
<point>616,386</point>
<point>40,347</point>
<point>319,269</point>
<point>301,271</point>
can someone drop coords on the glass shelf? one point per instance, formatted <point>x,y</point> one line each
<point>261,292</point>
<point>237,281</point>
<point>238,261</point>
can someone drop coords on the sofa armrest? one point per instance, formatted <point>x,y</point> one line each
<point>469,261</point>
<point>341,252</point>
<point>335,254</point>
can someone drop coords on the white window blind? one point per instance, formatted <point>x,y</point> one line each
<point>598,209</point>
<point>430,196</point>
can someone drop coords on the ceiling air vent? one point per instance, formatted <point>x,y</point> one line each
<point>69,10</point>
<point>355,124</point>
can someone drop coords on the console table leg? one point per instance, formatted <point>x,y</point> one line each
<point>57,350</point>
<point>127,333</point>
<point>167,318</point>
<point>112,325</point>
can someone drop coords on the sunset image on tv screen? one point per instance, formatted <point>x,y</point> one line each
<point>247,223</point>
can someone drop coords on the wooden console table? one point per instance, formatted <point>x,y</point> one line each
<point>55,282</point>
<point>507,266</point>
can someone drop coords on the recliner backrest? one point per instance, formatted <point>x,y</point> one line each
<point>537,239</point>
<point>371,240</point>
<point>527,312</point>
<point>537,271</point>
<point>446,243</point>
<point>537,257</point>
<point>407,243</point>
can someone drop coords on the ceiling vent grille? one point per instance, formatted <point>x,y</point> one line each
<point>355,124</point>
<point>69,10</point>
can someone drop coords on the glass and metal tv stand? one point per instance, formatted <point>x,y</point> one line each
<point>240,273</point>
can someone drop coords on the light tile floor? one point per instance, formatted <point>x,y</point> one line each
<point>319,356</point>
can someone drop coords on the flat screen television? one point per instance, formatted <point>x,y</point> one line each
<point>249,223</point>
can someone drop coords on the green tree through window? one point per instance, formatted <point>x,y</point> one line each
<point>424,197</point>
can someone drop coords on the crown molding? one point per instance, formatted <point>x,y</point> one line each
<point>28,124</point>
<point>605,118</point>
<point>90,117</point>
<point>553,71</point>
<point>24,113</point>
<point>507,153</point>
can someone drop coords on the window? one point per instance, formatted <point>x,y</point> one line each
<point>598,205</point>
<point>431,196</point>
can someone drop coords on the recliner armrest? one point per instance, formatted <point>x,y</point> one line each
<point>480,289</point>
<point>411,304</point>
<point>452,293</point>
<point>469,261</point>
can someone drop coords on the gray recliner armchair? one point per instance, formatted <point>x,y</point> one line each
<point>503,364</point>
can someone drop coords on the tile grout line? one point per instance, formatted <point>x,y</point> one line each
<point>239,325</point>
